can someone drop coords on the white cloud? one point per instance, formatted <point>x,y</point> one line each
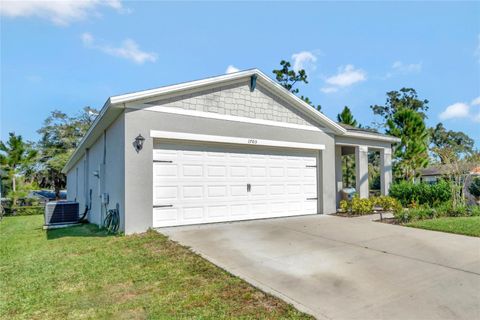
<point>304,60</point>
<point>60,12</point>
<point>329,89</point>
<point>475,102</point>
<point>346,76</point>
<point>128,50</point>
<point>454,111</point>
<point>400,67</point>
<point>231,69</point>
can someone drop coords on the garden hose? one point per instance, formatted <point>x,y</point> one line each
<point>112,220</point>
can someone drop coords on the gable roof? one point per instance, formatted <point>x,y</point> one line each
<point>116,104</point>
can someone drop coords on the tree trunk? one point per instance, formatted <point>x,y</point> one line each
<point>14,189</point>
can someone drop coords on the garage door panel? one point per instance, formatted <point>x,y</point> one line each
<point>216,171</point>
<point>202,184</point>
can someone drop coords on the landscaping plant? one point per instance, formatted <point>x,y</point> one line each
<point>409,193</point>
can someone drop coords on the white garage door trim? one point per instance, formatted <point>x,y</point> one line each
<point>234,140</point>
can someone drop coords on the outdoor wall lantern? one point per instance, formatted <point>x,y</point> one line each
<point>139,142</point>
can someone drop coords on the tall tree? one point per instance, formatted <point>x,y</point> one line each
<point>404,116</point>
<point>346,117</point>
<point>405,98</point>
<point>459,143</point>
<point>15,156</point>
<point>288,78</point>
<point>60,136</point>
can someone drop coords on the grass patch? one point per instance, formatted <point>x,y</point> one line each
<point>469,226</point>
<point>83,273</point>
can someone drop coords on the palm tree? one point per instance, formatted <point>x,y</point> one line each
<point>15,155</point>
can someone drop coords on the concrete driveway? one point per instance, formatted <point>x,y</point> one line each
<point>347,268</point>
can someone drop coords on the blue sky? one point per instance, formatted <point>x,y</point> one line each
<point>75,54</point>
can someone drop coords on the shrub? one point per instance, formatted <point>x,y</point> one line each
<point>474,187</point>
<point>386,203</point>
<point>25,210</point>
<point>362,206</point>
<point>409,193</point>
<point>474,211</point>
<point>409,215</point>
<point>345,205</point>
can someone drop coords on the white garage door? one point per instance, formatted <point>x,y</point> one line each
<point>195,184</point>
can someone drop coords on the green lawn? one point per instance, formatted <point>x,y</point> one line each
<point>469,226</point>
<point>81,273</point>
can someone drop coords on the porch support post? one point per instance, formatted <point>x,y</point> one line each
<point>385,170</point>
<point>361,166</point>
<point>338,172</point>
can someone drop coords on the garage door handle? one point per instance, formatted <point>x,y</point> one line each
<point>312,198</point>
<point>310,166</point>
<point>164,206</point>
<point>249,187</point>
<point>163,161</point>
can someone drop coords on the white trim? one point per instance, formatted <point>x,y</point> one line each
<point>226,117</point>
<point>273,86</point>
<point>371,136</point>
<point>233,140</point>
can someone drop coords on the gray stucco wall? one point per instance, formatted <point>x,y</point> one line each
<point>237,100</point>
<point>76,183</point>
<point>139,167</point>
<point>106,155</point>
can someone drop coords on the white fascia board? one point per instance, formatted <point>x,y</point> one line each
<point>371,136</point>
<point>181,86</point>
<point>225,117</point>
<point>233,140</point>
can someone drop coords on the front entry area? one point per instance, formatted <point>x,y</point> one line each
<point>195,183</point>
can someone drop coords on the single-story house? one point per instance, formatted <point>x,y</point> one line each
<point>226,148</point>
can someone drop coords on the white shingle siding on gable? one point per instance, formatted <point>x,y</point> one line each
<point>237,100</point>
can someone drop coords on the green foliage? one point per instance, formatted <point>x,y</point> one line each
<point>404,116</point>
<point>16,157</point>
<point>386,203</point>
<point>362,206</point>
<point>346,117</point>
<point>25,210</point>
<point>287,77</point>
<point>411,152</point>
<point>421,193</point>
<point>457,141</point>
<point>446,209</point>
<point>414,214</point>
<point>60,136</point>
<point>474,187</point>
<point>345,206</point>
<point>474,211</point>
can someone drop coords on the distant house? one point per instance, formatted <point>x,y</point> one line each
<point>44,196</point>
<point>432,174</point>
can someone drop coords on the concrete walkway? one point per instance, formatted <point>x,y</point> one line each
<point>348,268</point>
